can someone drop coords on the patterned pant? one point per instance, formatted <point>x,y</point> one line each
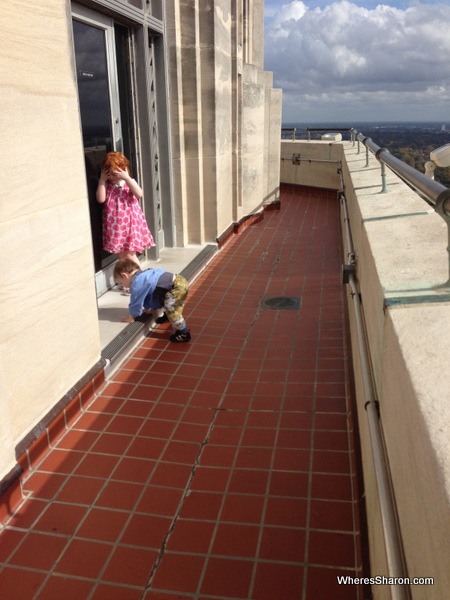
<point>174,302</point>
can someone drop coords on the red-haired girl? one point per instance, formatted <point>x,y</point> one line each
<point>125,230</point>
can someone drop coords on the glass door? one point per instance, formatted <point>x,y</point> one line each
<point>95,56</point>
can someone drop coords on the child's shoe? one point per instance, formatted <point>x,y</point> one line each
<point>162,319</point>
<point>178,336</point>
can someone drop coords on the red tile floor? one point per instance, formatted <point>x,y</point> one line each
<point>219,469</point>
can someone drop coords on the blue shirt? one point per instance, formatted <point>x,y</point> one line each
<point>141,290</point>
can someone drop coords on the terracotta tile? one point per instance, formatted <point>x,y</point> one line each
<point>26,514</point>
<point>118,389</point>
<point>111,443</point>
<point>228,578</point>
<point>156,379</point>
<point>236,540</point>
<point>103,525</point>
<point>39,551</point>
<point>44,485</point>
<point>331,487</point>
<point>168,412</point>
<point>268,402</point>
<point>331,548</point>
<point>331,515</point>
<point>254,458</point>
<point>322,583</point>
<point>282,544</point>
<point>292,459</point>
<point>288,512</point>
<point>171,475</point>
<point>136,470</point>
<point>19,584</point>
<point>60,518</point>
<point>258,437</point>
<point>225,436</point>
<point>289,484</point>
<point>116,592</point>
<point>279,582</point>
<point>296,420</point>
<point>104,404</point>
<point>331,405</point>
<point>303,404</point>
<point>242,508</point>
<point>175,396</point>
<point>218,456</point>
<point>157,428</point>
<point>92,421</point>
<point>263,419</point>
<point>130,565</point>
<point>181,452</point>
<point>210,479</point>
<point>191,536</point>
<point>81,441</point>
<point>202,505</point>
<point>331,440</point>
<point>136,408</point>
<point>235,402</point>
<point>161,366</point>
<point>65,587</point>
<point>206,399</point>
<point>199,415</point>
<point>331,462</point>
<point>83,558</point>
<point>127,376</point>
<point>149,393</point>
<point>146,531</point>
<point>148,448</point>
<point>190,432</point>
<point>332,421</point>
<point>9,540</point>
<point>97,465</point>
<point>124,425</point>
<point>60,461</point>
<point>119,495</point>
<point>252,481</point>
<point>160,501</point>
<point>179,572</point>
<point>294,438</point>
<point>80,490</point>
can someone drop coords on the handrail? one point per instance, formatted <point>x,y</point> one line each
<point>432,191</point>
<point>391,534</point>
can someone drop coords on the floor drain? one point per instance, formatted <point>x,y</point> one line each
<point>281,303</point>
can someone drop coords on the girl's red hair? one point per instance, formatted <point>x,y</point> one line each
<point>114,161</point>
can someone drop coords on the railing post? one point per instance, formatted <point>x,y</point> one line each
<point>383,168</point>
<point>367,152</point>
<point>443,210</point>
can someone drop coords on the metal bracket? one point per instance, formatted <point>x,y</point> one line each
<point>347,270</point>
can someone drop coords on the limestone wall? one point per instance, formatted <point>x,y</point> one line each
<point>49,332</point>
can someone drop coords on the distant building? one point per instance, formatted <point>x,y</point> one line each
<point>442,127</point>
<point>180,88</point>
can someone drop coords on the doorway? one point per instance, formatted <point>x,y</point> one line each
<point>103,81</point>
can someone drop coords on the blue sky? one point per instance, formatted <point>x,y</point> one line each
<point>360,60</point>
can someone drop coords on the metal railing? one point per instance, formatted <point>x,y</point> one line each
<point>433,192</point>
<point>436,194</point>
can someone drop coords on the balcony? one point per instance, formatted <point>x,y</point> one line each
<point>241,465</point>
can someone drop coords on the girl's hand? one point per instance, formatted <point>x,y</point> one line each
<point>119,174</point>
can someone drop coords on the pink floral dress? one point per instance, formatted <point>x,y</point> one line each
<point>124,226</point>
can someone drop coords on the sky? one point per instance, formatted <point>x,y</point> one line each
<point>352,61</point>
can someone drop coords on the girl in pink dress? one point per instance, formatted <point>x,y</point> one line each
<point>125,230</point>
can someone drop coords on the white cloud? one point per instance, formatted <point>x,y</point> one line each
<point>383,60</point>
